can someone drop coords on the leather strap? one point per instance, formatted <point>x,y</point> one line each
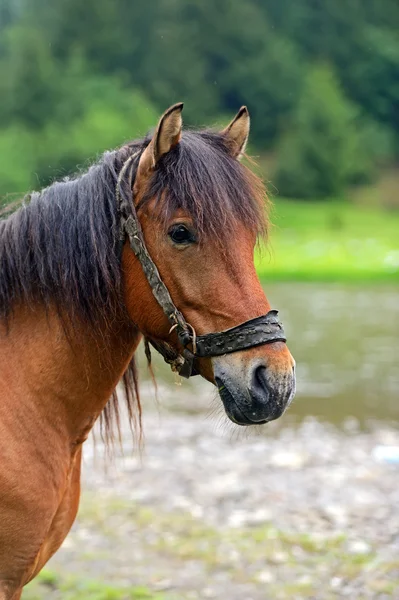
<point>255,332</point>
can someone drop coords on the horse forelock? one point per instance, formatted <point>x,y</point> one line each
<point>201,177</point>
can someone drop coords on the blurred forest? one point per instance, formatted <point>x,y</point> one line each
<point>320,77</point>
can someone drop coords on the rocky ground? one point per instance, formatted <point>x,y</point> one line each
<point>208,511</point>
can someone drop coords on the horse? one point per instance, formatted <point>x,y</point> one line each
<point>155,241</point>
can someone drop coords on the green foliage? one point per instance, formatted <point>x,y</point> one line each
<point>72,71</point>
<point>373,79</point>
<point>17,160</point>
<point>321,151</point>
<point>87,114</point>
<point>107,115</point>
<point>28,78</point>
<point>72,588</point>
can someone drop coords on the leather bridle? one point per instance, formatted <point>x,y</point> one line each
<point>255,332</point>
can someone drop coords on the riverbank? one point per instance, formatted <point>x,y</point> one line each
<point>212,511</point>
<point>330,241</point>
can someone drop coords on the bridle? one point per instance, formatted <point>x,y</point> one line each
<point>255,332</point>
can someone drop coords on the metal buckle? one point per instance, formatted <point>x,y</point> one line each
<point>187,367</point>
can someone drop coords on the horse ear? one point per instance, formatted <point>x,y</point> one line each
<point>166,136</point>
<point>237,133</point>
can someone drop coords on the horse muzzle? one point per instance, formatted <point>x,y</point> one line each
<point>253,394</point>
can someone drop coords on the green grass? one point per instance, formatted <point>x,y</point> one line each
<point>74,588</point>
<point>330,241</point>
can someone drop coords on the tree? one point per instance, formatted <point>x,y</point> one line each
<point>320,152</point>
<point>87,114</point>
<point>58,58</point>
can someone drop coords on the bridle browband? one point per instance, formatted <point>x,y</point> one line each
<point>255,332</point>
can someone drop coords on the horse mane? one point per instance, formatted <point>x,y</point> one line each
<point>60,248</point>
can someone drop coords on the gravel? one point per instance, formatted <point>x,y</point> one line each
<point>206,510</point>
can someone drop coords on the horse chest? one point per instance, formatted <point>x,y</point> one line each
<point>26,544</point>
<point>63,519</point>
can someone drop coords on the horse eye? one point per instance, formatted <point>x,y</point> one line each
<point>179,234</point>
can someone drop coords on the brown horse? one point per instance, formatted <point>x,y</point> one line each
<point>74,306</point>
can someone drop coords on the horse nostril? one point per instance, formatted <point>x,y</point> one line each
<point>259,381</point>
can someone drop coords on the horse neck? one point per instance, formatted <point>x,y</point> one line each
<point>64,380</point>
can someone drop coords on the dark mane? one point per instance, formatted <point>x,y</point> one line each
<point>60,248</point>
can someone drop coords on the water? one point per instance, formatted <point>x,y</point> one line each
<point>345,340</point>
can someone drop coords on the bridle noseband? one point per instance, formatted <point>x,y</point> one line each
<point>255,332</point>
